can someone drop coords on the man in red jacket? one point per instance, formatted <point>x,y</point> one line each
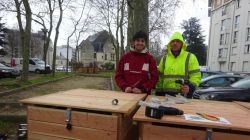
<point>137,70</point>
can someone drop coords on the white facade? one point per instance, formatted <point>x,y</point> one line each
<point>229,40</point>
<point>97,50</point>
<point>62,51</point>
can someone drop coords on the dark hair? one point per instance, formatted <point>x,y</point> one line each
<point>140,34</point>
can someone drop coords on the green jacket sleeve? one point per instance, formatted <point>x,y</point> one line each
<point>194,71</point>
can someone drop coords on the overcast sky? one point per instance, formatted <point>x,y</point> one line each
<point>187,9</point>
<point>193,8</point>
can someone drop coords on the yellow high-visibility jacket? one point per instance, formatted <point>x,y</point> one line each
<point>171,68</point>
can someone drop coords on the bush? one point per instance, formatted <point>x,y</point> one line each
<point>109,66</point>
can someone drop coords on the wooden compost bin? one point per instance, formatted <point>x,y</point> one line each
<point>92,115</point>
<point>177,128</point>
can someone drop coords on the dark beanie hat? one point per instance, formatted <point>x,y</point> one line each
<point>140,34</point>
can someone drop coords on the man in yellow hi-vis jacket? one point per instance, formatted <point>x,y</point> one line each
<point>178,65</point>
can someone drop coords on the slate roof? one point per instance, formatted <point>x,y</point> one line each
<point>98,40</point>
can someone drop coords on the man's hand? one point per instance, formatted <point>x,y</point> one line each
<point>136,90</point>
<point>185,89</point>
<point>128,90</point>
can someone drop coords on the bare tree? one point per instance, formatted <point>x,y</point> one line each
<point>111,16</point>
<point>76,23</point>
<point>56,36</point>
<point>138,17</point>
<point>40,18</point>
<point>152,16</point>
<point>161,16</point>
<point>25,35</point>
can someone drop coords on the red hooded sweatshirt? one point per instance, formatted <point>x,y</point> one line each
<point>137,70</point>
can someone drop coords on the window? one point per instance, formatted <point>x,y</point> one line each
<point>223,25</point>
<point>94,55</point>
<point>237,3</point>
<point>217,82</point>
<point>235,36</point>
<point>248,34</point>
<point>227,38</point>
<point>224,54</point>
<point>32,62</point>
<point>248,18</point>
<point>234,51</point>
<point>105,58</point>
<point>220,53</point>
<point>237,21</point>
<point>224,11</point>
<point>112,57</point>
<point>247,48</point>
<point>222,39</point>
<point>209,3</point>
<point>246,66</point>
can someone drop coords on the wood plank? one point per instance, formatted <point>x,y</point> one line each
<point>75,132</point>
<point>124,126</point>
<point>244,104</point>
<point>236,115</point>
<point>80,119</point>
<point>227,136</point>
<point>152,132</point>
<point>99,100</point>
<point>133,133</point>
<point>39,136</point>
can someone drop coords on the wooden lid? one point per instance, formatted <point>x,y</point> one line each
<point>90,99</point>
<point>237,115</point>
<point>244,104</point>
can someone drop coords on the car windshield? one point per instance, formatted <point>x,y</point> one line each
<point>38,61</point>
<point>244,83</point>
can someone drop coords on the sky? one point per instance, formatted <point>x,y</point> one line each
<point>187,9</point>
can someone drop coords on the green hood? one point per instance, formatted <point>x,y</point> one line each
<point>177,35</point>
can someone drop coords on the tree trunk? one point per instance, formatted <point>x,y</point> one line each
<point>56,37</point>
<point>25,37</point>
<point>137,18</point>
<point>121,27</point>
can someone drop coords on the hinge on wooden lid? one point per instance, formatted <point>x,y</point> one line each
<point>68,119</point>
<point>209,134</point>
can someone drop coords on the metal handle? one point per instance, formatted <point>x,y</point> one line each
<point>209,134</point>
<point>68,119</point>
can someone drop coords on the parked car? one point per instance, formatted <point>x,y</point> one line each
<point>8,72</point>
<point>35,65</point>
<point>219,80</point>
<point>63,68</point>
<point>205,73</point>
<point>238,91</point>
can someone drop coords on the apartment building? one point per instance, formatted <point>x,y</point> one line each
<point>229,40</point>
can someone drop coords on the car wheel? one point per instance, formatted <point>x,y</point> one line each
<point>37,71</point>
